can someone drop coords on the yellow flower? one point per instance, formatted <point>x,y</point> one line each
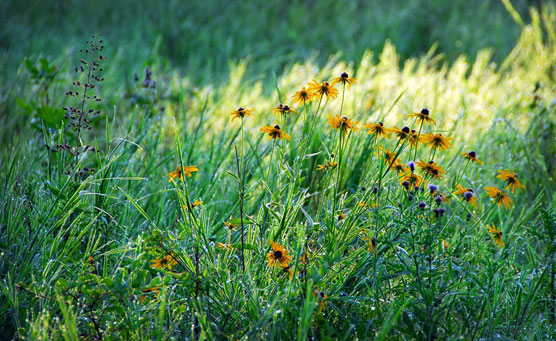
<point>323,89</point>
<point>423,116</point>
<point>377,129</point>
<point>412,179</point>
<point>179,172</point>
<point>167,261</point>
<point>224,246</point>
<point>511,180</point>
<point>288,270</point>
<point>275,133</point>
<point>371,244</point>
<point>500,197</point>
<point>399,167</point>
<point>197,203</point>
<point>344,79</point>
<point>405,134</point>
<point>436,141</point>
<point>445,244</point>
<point>388,156</point>
<point>342,123</point>
<point>402,134</point>
<point>303,96</point>
<point>242,113</point>
<point>152,289</point>
<point>431,168</point>
<point>278,255</point>
<point>283,109</point>
<point>230,225</point>
<point>472,156</point>
<point>321,296</point>
<point>467,194</point>
<point>328,165</point>
<point>496,235</point>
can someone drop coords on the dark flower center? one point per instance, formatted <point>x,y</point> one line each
<point>345,75</point>
<point>425,111</point>
<point>286,108</point>
<point>278,254</point>
<point>240,109</point>
<point>472,154</point>
<point>405,130</point>
<point>277,127</point>
<point>381,124</point>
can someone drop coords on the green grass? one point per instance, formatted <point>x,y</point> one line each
<point>201,39</point>
<point>76,255</point>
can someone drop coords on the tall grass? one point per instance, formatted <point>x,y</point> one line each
<point>77,256</point>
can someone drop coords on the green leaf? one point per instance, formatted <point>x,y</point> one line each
<point>246,246</point>
<point>233,175</point>
<point>53,117</point>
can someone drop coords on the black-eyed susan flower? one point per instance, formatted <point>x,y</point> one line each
<point>344,79</point>
<point>402,134</point>
<point>496,235</point>
<point>242,113</point>
<point>275,133</point>
<point>377,129</point>
<point>431,168</point>
<point>412,180</point>
<point>303,96</point>
<point>472,156</point>
<point>511,180</point>
<point>423,116</point>
<point>278,255</point>
<point>283,109</point>
<point>224,246</point>
<point>342,123</point>
<point>399,167</point>
<point>196,203</point>
<point>288,271</point>
<point>230,225</point>
<point>164,262</point>
<point>500,197</point>
<point>328,165</point>
<point>179,172</point>
<point>151,289</point>
<point>388,156</point>
<point>323,89</point>
<point>467,194</point>
<point>436,141</point>
<point>406,133</point>
<point>321,297</point>
<point>371,244</point>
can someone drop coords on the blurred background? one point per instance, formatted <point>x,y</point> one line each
<point>203,38</point>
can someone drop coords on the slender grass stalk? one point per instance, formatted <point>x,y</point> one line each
<point>240,194</point>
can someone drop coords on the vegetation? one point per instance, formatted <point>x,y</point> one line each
<point>330,199</point>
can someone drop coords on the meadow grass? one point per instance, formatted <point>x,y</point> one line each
<point>122,251</point>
